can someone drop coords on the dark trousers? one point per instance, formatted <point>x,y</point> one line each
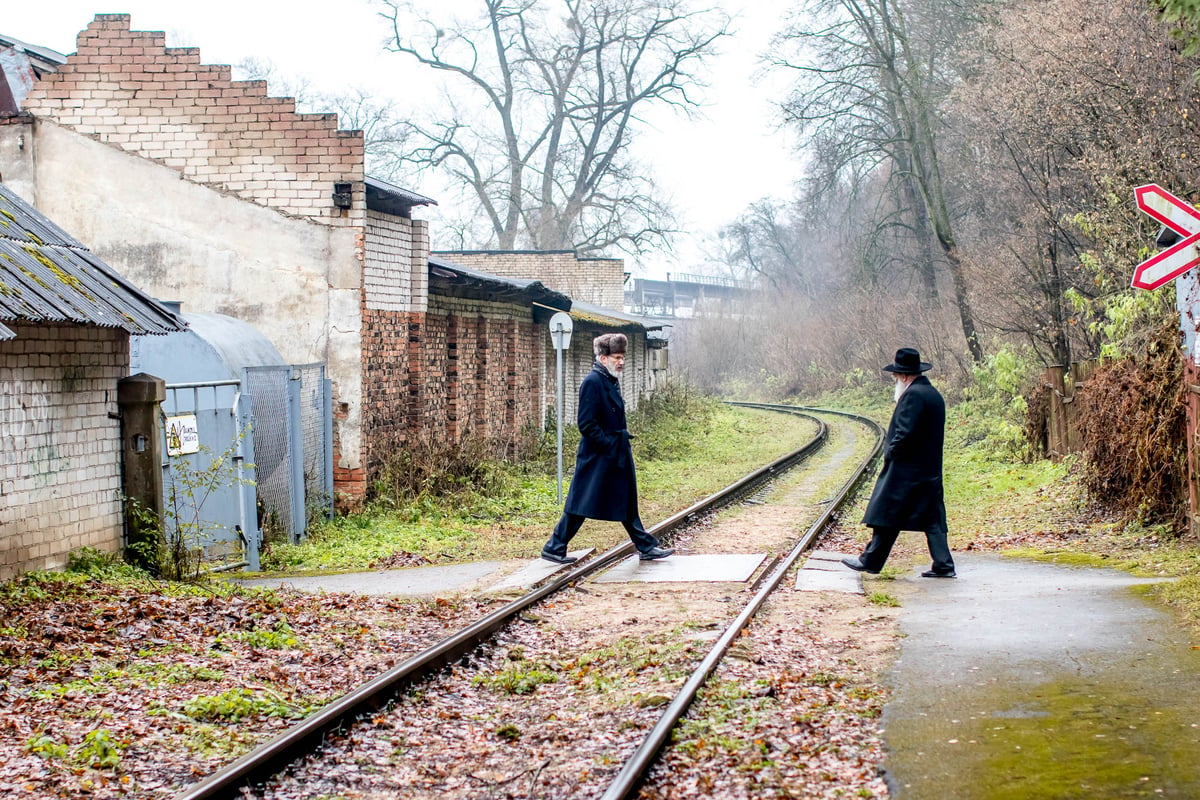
<point>880,546</point>
<point>570,524</point>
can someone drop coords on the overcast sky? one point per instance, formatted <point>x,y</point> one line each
<point>712,167</point>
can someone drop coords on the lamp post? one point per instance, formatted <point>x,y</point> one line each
<point>560,335</point>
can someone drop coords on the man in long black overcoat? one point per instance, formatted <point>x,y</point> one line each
<point>908,494</point>
<point>605,484</point>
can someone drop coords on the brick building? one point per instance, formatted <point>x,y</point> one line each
<point>222,197</point>
<point>65,323</point>
<point>596,289</point>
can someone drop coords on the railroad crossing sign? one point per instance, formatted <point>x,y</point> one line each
<point>1180,217</point>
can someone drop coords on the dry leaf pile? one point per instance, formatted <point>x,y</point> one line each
<point>136,690</point>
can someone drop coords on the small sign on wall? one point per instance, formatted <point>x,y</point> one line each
<point>183,435</point>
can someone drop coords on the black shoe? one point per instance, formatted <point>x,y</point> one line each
<point>858,566</point>
<point>932,574</point>
<point>559,559</point>
<point>655,553</point>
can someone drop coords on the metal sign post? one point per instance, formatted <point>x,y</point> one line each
<point>1178,259</point>
<point>560,334</point>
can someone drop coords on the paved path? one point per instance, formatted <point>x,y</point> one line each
<point>1026,680</point>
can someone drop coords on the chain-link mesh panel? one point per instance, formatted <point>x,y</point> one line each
<point>268,390</point>
<point>318,497</point>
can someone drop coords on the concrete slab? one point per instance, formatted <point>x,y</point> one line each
<point>713,567</point>
<point>826,561</point>
<point>413,581</point>
<point>822,580</point>
<point>535,571</point>
<point>827,555</point>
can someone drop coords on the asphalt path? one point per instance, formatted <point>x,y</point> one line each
<point>1027,680</point>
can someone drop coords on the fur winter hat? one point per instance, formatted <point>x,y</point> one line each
<point>609,344</point>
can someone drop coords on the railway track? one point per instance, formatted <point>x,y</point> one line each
<point>368,701</point>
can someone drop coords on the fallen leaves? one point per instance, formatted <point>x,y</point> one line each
<point>138,688</point>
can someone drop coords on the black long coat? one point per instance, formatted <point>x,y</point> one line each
<point>605,485</point>
<point>908,494</point>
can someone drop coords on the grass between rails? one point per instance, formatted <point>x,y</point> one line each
<point>685,448</point>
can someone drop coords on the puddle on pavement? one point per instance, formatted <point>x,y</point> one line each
<point>1007,716</point>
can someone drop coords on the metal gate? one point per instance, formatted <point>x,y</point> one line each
<point>293,445</point>
<point>208,472</point>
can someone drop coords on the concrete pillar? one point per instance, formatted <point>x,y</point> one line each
<point>138,397</point>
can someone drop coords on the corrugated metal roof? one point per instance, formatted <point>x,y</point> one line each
<point>46,275</point>
<point>459,281</point>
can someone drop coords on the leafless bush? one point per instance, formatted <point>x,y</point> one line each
<point>1134,435</point>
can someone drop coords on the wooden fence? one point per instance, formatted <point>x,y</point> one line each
<point>1063,432</point>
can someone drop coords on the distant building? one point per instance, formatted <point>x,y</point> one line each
<point>685,296</point>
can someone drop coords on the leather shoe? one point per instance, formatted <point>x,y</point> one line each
<point>858,566</point>
<point>655,553</point>
<point>559,559</point>
<point>931,574</point>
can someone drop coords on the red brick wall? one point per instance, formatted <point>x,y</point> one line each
<point>465,368</point>
<point>387,383</point>
<point>125,88</point>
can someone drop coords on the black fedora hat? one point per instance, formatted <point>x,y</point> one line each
<point>908,362</point>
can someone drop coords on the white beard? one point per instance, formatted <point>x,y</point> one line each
<point>900,387</point>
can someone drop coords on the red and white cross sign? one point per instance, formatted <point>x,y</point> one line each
<point>1179,216</point>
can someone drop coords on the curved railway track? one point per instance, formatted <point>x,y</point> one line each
<point>274,756</point>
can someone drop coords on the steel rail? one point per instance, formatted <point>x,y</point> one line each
<point>633,772</point>
<point>302,738</point>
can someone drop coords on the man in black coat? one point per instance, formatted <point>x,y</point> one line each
<point>605,485</point>
<point>908,494</point>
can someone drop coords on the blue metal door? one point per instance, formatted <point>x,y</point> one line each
<point>208,472</point>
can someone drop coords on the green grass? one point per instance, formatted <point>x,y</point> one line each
<point>685,448</point>
<point>883,599</point>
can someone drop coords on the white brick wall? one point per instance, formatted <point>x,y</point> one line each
<point>396,263</point>
<point>60,478</point>
<point>387,271</point>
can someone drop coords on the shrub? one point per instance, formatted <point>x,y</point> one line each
<point>1135,439</point>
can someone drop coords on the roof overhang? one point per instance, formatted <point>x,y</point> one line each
<point>454,280</point>
<point>611,319</point>
<point>387,198</point>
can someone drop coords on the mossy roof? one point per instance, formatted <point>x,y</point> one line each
<point>46,275</point>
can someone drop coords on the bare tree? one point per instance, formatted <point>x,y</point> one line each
<point>1051,148</point>
<point>541,103</point>
<point>871,81</point>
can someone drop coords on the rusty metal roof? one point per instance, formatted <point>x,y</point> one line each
<point>46,275</point>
